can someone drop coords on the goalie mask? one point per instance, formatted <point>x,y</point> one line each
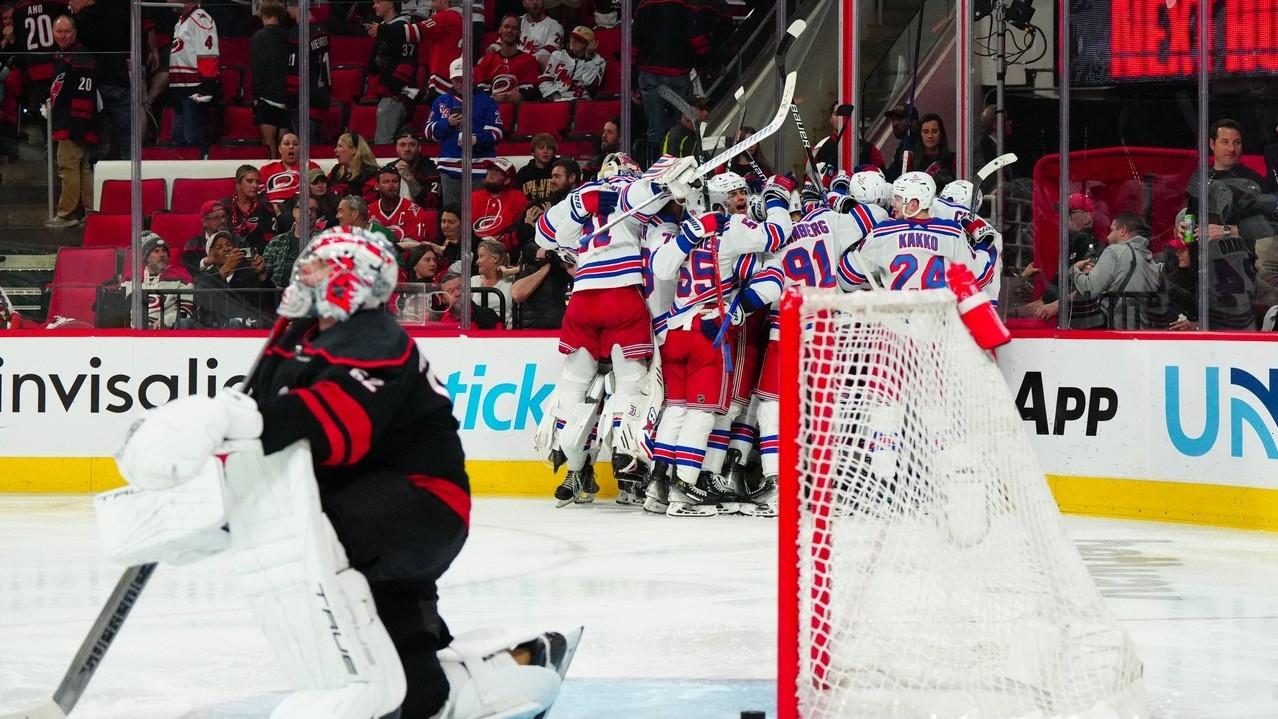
<point>341,271</point>
<point>962,193</point>
<point>722,189</point>
<point>910,187</point>
<point>618,163</point>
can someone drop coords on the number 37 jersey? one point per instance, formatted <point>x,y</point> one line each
<point>907,255</point>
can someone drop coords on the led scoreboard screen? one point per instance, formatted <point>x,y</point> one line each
<point>1151,40</point>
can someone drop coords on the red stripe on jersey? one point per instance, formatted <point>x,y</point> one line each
<point>358,425</point>
<point>367,364</point>
<point>333,433</point>
<point>450,494</point>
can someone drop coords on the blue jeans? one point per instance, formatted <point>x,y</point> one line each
<point>116,104</point>
<point>191,124</point>
<point>661,115</point>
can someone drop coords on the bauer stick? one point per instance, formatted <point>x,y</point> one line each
<point>994,166</point>
<point>116,609</point>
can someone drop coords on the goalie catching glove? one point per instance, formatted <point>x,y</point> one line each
<point>173,442</point>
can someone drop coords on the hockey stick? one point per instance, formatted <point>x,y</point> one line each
<point>754,164</point>
<point>807,149</point>
<point>995,165</point>
<point>844,111</point>
<point>704,168</point>
<point>688,111</point>
<point>116,609</point>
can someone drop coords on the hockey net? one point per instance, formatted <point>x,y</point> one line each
<point>925,570</point>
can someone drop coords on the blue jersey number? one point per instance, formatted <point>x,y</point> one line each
<point>700,279</point>
<point>800,266</point>
<point>904,267</point>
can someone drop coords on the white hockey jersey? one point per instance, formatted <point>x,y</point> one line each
<point>986,242</point>
<point>193,56</point>
<point>906,255</point>
<point>810,258</point>
<point>709,273</point>
<point>571,78</point>
<point>540,39</point>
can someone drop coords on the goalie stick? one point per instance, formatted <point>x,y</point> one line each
<point>116,609</point>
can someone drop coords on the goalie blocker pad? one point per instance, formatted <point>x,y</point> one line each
<point>317,613</point>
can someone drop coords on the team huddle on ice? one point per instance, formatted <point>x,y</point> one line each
<point>671,332</point>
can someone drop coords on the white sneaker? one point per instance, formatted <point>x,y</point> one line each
<point>60,222</point>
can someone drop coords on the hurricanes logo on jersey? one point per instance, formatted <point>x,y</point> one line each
<point>56,87</point>
<point>283,182</point>
<point>503,84</point>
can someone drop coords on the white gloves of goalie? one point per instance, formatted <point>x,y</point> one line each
<point>680,178</point>
<point>171,443</point>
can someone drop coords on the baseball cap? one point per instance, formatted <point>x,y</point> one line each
<point>584,34</point>
<point>455,68</point>
<point>209,207</point>
<point>314,174</point>
<point>899,110</point>
<point>502,165</point>
<point>407,132</point>
<point>208,245</point>
<point>1079,201</point>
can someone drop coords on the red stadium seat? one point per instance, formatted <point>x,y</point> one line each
<point>106,230</point>
<point>116,197</point>
<point>348,84</point>
<point>190,193</point>
<point>233,51</point>
<point>591,115</point>
<point>373,91</point>
<point>535,117</point>
<point>611,86</point>
<point>164,134</point>
<point>257,153</point>
<point>507,110</point>
<point>76,302</point>
<point>238,126</point>
<point>176,228</point>
<point>608,43</point>
<point>344,50</point>
<point>230,78</point>
<point>421,114</point>
<point>330,127</point>
<point>246,87</point>
<point>363,120</point>
<point>171,153</point>
<point>86,265</point>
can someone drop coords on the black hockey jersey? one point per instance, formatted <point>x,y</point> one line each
<point>321,76</point>
<point>366,400</point>
<point>74,95</point>
<point>394,57</point>
<point>33,25</point>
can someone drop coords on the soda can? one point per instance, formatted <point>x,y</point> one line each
<point>1187,231</point>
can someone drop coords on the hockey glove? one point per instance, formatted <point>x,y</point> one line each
<point>697,228</point>
<point>811,195</point>
<point>842,204</point>
<point>171,444</point>
<point>841,184</point>
<point>777,192</point>
<point>597,201</point>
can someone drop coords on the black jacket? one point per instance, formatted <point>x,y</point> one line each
<point>269,53</point>
<point>74,111</point>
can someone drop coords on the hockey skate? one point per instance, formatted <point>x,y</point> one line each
<point>656,491</point>
<point>760,496</point>
<point>629,474</point>
<point>689,500</point>
<point>587,488</point>
<point>578,487</point>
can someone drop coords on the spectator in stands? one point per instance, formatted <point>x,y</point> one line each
<point>213,218</point>
<point>73,111</point>
<point>534,178</point>
<point>450,237</point>
<point>987,146</point>
<point>668,38</point>
<point>404,218</point>
<point>352,211</point>
<point>444,127</point>
<point>684,138</point>
<point>394,63</point>
<point>1125,267</point>
<point>269,54</point>
<point>423,265</point>
<point>441,35</point>
<point>565,175</point>
<point>491,271</point>
<point>1180,275</point>
<point>507,72</point>
<point>742,166</point>
<point>418,172</point>
<point>1271,163</point>
<point>539,34</point>
<point>252,221</point>
<point>163,311</point>
<point>280,178</point>
<point>29,56</point>
<point>481,317</point>
<point>194,75</point>
<point>104,30</point>
<point>321,76</point>
<point>282,250</point>
<point>905,129</point>
<point>609,142</point>
<point>541,290</point>
<point>607,13</point>
<point>324,196</point>
<point>829,152</point>
<point>1083,245</point>
<point>935,157</point>
<point>574,73</point>
<point>228,267</point>
<point>355,172</point>
<point>497,206</point>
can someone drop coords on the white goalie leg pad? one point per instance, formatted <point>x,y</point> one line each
<point>636,406</point>
<point>582,421</point>
<point>178,525</point>
<point>317,613</point>
<point>485,682</point>
<point>574,410</point>
<point>769,426</point>
<point>965,510</point>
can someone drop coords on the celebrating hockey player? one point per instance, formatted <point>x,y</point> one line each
<point>959,201</point>
<point>347,498</point>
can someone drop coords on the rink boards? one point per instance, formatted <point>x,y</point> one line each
<point>1152,426</point>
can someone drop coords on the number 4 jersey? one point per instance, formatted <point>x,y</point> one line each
<point>907,255</point>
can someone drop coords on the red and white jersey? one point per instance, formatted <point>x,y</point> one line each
<point>710,272</point>
<point>907,255</point>
<point>541,38</point>
<point>499,75</point>
<point>986,242</point>
<point>405,219</point>
<point>193,57</point>
<point>571,78</point>
<point>280,181</point>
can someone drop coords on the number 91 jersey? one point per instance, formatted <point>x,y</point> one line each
<point>907,255</point>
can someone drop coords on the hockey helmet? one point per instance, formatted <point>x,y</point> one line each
<point>722,187</point>
<point>913,186</point>
<point>340,271</point>
<point>963,194</point>
<point>618,163</point>
<point>868,187</point>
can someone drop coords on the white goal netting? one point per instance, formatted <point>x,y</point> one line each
<point>934,575</point>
